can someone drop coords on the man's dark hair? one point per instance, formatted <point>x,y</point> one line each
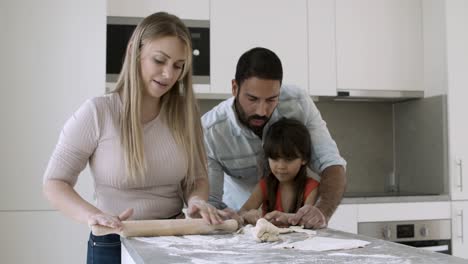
<point>261,63</point>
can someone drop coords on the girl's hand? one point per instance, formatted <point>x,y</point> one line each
<point>200,208</point>
<point>251,216</point>
<point>278,218</point>
<point>104,219</point>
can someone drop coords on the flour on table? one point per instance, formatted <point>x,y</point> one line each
<point>367,256</point>
<point>324,244</point>
<point>241,248</point>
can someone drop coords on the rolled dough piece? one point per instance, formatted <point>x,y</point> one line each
<point>300,229</point>
<point>297,229</point>
<point>324,244</point>
<point>265,231</point>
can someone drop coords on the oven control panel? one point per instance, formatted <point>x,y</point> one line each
<point>400,231</point>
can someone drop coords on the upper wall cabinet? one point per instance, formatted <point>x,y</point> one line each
<point>379,45</point>
<point>185,9</point>
<point>237,26</point>
<point>321,43</point>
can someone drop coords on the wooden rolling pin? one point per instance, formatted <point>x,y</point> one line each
<point>171,227</point>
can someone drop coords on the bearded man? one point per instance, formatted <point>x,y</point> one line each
<point>234,129</point>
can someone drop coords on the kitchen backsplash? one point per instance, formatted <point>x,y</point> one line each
<point>421,152</point>
<point>363,132</point>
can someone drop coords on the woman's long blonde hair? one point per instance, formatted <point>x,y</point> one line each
<point>181,111</point>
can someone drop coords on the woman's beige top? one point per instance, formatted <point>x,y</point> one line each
<point>92,134</point>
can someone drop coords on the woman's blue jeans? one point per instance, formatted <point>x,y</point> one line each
<point>103,249</point>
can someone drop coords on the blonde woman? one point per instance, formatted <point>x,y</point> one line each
<point>143,142</point>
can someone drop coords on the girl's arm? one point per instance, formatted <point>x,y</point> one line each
<point>254,201</point>
<point>312,198</point>
<point>249,211</point>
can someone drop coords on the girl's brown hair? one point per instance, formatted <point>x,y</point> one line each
<point>287,139</point>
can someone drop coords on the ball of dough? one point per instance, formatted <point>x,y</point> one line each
<point>265,231</point>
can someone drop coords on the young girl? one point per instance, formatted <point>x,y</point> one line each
<point>286,187</point>
<point>143,142</point>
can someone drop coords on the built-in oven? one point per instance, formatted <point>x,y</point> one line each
<point>433,235</point>
<point>120,29</point>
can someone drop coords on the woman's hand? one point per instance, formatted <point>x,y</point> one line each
<point>200,208</point>
<point>104,219</point>
<point>278,218</point>
<point>251,216</point>
<point>228,213</point>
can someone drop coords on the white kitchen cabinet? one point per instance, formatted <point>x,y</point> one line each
<point>381,212</point>
<point>321,47</point>
<point>457,94</point>
<point>237,26</point>
<point>185,9</point>
<point>345,218</point>
<point>379,45</point>
<point>42,237</point>
<point>460,229</point>
<point>435,63</point>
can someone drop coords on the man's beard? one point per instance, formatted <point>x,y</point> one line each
<point>245,120</point>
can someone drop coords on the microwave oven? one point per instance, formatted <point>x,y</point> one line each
<point>120,29</point>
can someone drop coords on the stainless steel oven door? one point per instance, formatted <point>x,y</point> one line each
<point>441,246</point>
<point>433,235</point>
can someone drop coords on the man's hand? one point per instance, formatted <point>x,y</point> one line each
<point>331,190</point>
<point>310,217</point>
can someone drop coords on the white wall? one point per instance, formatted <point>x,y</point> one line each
<point>52,58</point>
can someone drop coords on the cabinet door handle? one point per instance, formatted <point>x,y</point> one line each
<point>459,163</point>
<point>461,226</point>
